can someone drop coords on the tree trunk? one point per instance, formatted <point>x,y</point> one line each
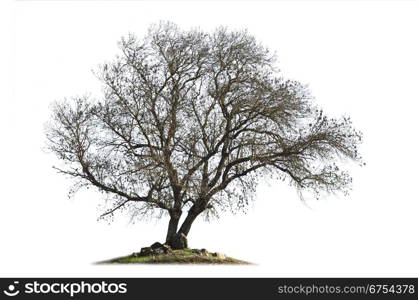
<point>187,224</point>
<point>172,227</point>
<point>177,239</point>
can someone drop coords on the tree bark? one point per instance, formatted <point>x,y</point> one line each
<point>172,227</point>
<point>177,239</point>
<point>187,224</point>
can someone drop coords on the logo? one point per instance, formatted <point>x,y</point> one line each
<point>69,288</point>
<point>12,291</point>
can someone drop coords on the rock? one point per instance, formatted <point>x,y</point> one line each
<point>167,249</point>
<point>156,245</point>
<point>219,255</point>
<point>155,249</point>
<point>135,254</point>
<point>201,252</point>
<point>158,251</point>
<point>146,251</point>
<point>180,241</point>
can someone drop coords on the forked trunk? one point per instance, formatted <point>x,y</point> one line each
<point>178,239</point>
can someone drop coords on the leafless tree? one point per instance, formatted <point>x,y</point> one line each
<point>190,121</point>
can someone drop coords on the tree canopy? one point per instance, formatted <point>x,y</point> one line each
<point>189,121</point>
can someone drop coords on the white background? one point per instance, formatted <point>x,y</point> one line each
<point>359,59</point>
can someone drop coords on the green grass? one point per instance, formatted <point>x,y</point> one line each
<point>184,256</point>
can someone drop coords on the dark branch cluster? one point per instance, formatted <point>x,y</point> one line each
<point>190,120</point>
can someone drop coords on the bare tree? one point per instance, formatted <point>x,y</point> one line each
<point>190,121</point>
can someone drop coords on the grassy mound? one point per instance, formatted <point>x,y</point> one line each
<point>184,256</point>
